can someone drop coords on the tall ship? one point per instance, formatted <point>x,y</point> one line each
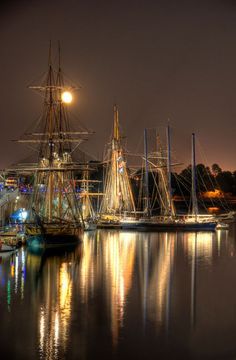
<point>54,215</point>
<point>118,200</point>
<point>169,220</point>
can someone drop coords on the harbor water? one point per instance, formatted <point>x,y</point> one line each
<point>122,295</point>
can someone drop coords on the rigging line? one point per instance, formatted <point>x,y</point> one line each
<point>88,154</point>
<point>157,188</point>
<point>138,146</point>
<point>226,206</point>
<point>80,124</point>
<point>179,187</point>
<point>184,184</point>
<point>203,183</point>
<point>140,189</point>
<point>39,79</point>
<point>154,192</point>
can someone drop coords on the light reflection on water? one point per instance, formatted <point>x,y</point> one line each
<point>120,293</point>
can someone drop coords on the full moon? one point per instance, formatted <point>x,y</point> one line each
<point>66,97</point>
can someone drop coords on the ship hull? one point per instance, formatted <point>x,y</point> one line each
<point>109,225</point>
<point>52,236</point>
<point>159,226</point>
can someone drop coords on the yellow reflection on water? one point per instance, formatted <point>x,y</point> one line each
<point>53,276</point>
<point>161,257</point>
<point>87,267</point>
<point>119,255</point>
<point>41,330</point>
<point>65,293</point>
<point>119,251</point>
<point>16,273</point>
<point>204,245</point>
<point>22,273</point>
<point>108,259</point>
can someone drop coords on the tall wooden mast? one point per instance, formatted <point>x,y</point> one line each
<point>147,209</point>
<point>194,182</point>
<point>171,211</point>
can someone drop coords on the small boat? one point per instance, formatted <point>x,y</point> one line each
<point>90,225</point>
<point>4,248</point>
<point>222,226</point>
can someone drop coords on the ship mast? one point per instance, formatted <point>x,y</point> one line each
<point>118,196</point>
<point>147,200</point>
<point>194,182</point>
<point>54,197</point>
<point>171,211</point>
<point>51,145</point>
<point>162,179</point>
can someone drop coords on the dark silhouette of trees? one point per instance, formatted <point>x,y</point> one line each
<point>226,182</point>
<point>216,170</point>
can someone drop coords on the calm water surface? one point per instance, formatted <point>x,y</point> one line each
<point>122,295</point>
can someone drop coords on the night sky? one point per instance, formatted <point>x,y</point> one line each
<point>157,60</point>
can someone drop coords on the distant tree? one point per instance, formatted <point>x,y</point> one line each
<point>226,181</point>
<point>234,182</point>
<point>204,178</point>
<point>216,170</point>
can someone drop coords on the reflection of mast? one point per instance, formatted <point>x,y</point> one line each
<point>193,282</point>
<point>143,256</point>
<point>118,195</point>
<point>197,246</point>
<point>158,289</point>
<point>169,284</point>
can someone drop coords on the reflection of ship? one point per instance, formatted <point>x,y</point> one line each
<point>54,218</point>
<point>51,280</point>
<point>169,220</point>
<point>108,263</point>
<point>156,259</point>
<point>118,201</point>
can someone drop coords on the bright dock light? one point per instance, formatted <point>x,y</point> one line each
<point>66,97</point>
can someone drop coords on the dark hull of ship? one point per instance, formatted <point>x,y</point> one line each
<point>162,226</point>
<point>139,226</point>
<point>109,225</point>
<point>52,237</point>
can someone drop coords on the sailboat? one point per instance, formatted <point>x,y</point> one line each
<point>118,201</point>
<point>54,216</point>
<point>170,221</point>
